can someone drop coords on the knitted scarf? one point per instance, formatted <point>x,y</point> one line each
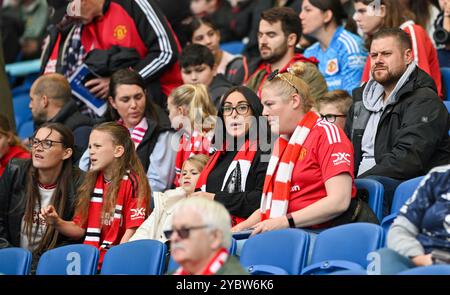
<point>96,220</point>
<point>277,184</point>
<point>138,132</point>
<point>241,161</point>
<point>213,266</point>
<point>189,146</point>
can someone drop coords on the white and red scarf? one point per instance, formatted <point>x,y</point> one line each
<point>244,156</point>
<point>95,219</point>
<point>277,184</point>
<point>189,146</point>
<point>213,266</point>
<point>138,132</point>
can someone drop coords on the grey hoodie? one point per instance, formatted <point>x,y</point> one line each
<point>373,100</point>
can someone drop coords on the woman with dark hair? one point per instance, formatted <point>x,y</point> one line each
<point>130,106</point>
<point>26,186</point>
<point>234,175</point>
<point>425,13</point>
<point>341,54</point>
<point>392,14</point>
<point>10,145</point>
<point>205,32</point>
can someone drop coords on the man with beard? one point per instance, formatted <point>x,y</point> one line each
<point>398,125</point>
<point>51,101</point>
<point>278,34</point>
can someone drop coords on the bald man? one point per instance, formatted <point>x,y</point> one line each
<point>51,101</point>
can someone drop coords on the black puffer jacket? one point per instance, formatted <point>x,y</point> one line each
<point>13,201</point>
<point>412,135</point>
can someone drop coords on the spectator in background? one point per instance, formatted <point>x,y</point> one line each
<point>398,125</point>
<point>198,67</point>
<point>234,175</point>
<point>392,14</point>
<point>422,228</point>
<point>425,13</point>
<point>178,13</point>
<point>279,32</point>
<point>100,25</point>
<point>334,106</point>
<point>160,218</point>
<point>29,185</point>
<point>317,191</point>
<point>204,31</point>
<point>35,16</point>
<point>115,177</point>
<point>192,113</point>
<point>442,34</point>
<point>341,54</point>
<point>200,236</point>
<point>218,10</point>
<point>129,105</point>
<point>51,101</point>
<point>10,145</point>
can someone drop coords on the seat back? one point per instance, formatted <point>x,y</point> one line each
<point>438,269</point>
<point>77,259</point>
<point>376,194</point>
<point>403,192</point>
<point>445,73</point>
<point>15,261</point>
<point>285,249</point>
<point>142,257</point>
<point>345,247</point>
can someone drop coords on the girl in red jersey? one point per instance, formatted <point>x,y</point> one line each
<point>114,197</point>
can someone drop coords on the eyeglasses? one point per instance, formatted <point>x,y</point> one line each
<point>331,118</point>
<point>241,109</point>
<point>277,74</point>
<point>46,143</point>
<point>183,232</point>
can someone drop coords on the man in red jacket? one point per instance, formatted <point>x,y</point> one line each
<point>101,24</point>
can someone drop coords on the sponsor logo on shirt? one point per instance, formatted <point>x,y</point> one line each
<point>341,158</point>
<point>357,61</point>
<point>137,213</point>
<point>332,67</point>
<point>295,188</point>
<point>120,32</point>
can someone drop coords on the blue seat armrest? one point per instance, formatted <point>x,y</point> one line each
<point>330,266</point>
<point>262,269</point>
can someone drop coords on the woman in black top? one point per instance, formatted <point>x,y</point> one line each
<point>234,175</point>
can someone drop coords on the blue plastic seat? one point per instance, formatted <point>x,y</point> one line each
<point>142,257</point>
<point>438,269</point>
<point>282,251</point>
<point>349,273</point>
<point>76,259</point>
<point>234,47</point>
<point>402,193</point>
<point>15,261</point>
<point>376,194</point>
<point>344,247</point>
<point>22,110</point>
<point>445,73</point>
<point>26,130</point>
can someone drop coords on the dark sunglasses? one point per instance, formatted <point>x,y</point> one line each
<point>183,232</point>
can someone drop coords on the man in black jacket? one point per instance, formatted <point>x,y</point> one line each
<point>51,101</point>
<point>398,125</point>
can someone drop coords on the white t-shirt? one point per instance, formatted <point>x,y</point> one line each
<point>31,245</point>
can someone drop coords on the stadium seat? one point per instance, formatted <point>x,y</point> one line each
<point>445,73</point>
<point>376,194</point>
<point>438,269</point>
<point>26,130</point>
<point>282,251</point>
<point>349,273</point>
<point>142,257</point>
<point>76,259</point>
<point>21,109</point>
<point>447,105</point>
<point>234,47</point>
<point>173,266</point>
<point>344,247</point>
<point>403,192</point>
<point>15,261</point>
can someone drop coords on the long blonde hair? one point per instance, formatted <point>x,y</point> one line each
<point>197,100</point>
<point>129,161</point>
